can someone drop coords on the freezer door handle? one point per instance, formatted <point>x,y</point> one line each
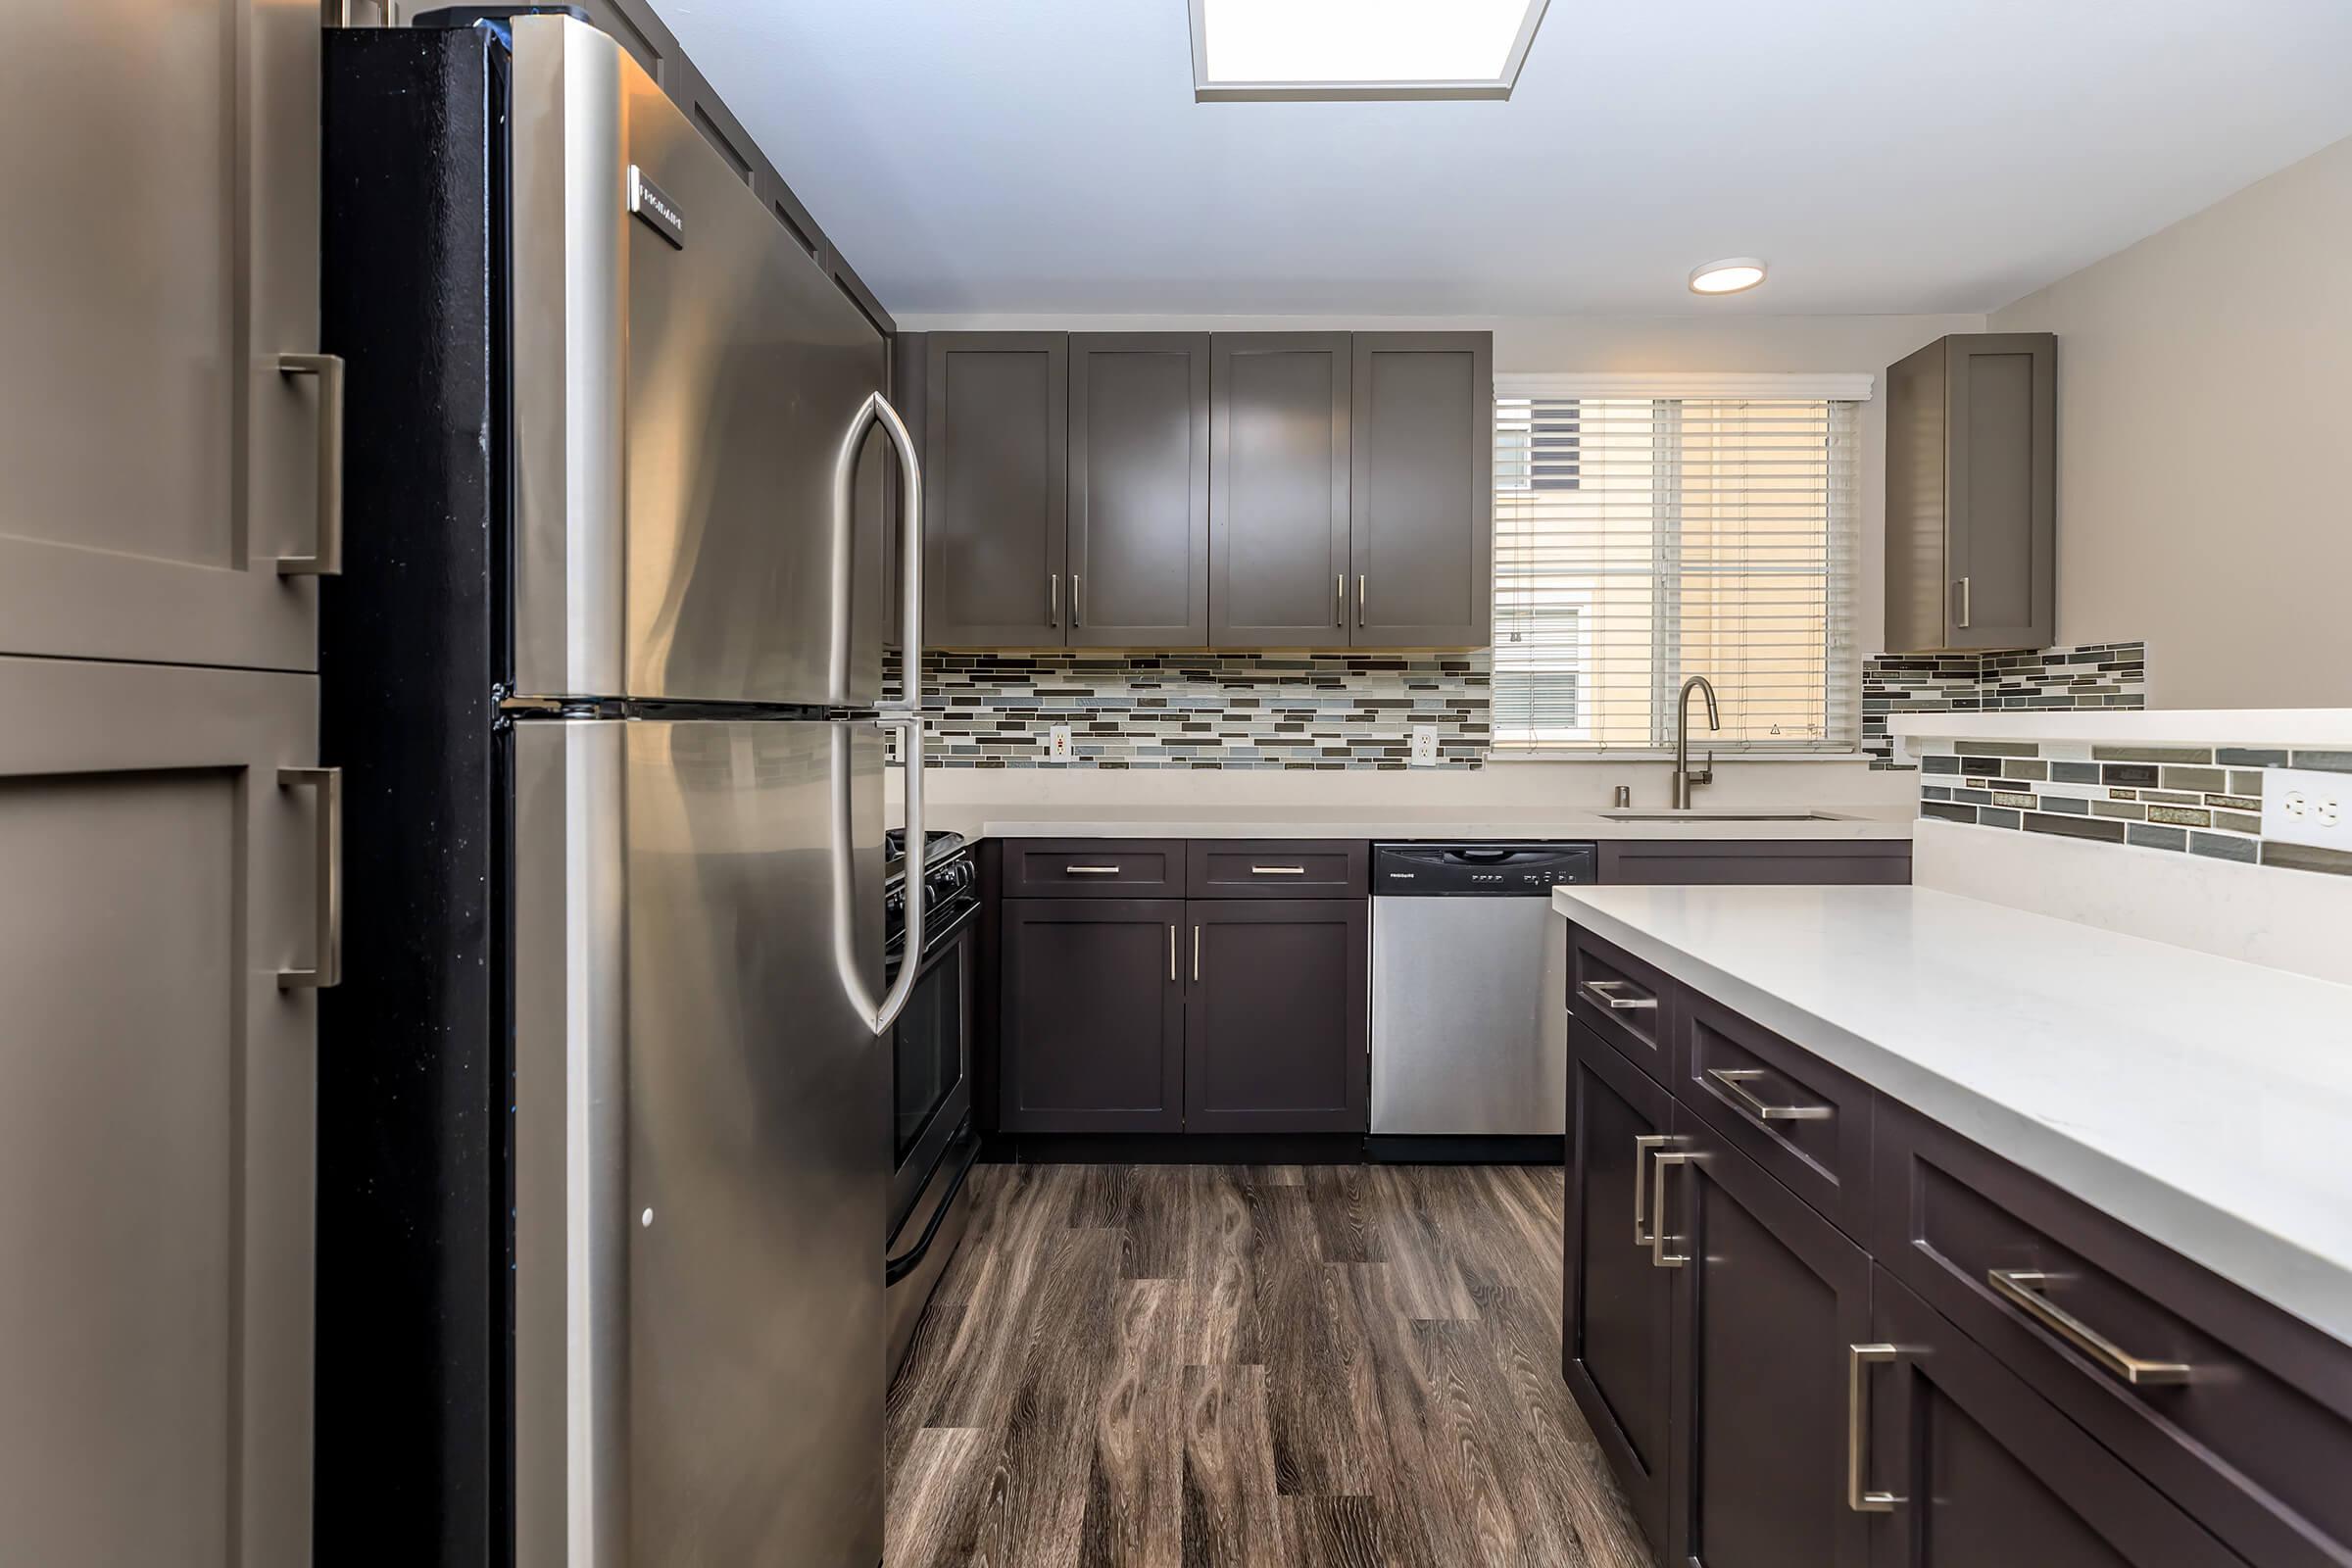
<point>904,715</point>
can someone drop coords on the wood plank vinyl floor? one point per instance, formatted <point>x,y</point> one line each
<point>1198,1366</point>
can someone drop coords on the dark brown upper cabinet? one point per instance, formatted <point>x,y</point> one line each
<point>1279,458</point>
<point>1421,492</point>
<point>1275,1017</point>
<point>1138,559</point>
<point>1241,490</point>
<point>1972,494</point>
<point>996,468</point>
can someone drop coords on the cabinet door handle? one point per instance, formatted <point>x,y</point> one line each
<point>1967,603</point>
<point>327,559</point>
<point>1171,953</point>
<point>1858,1496</point>
<point>1604,992</point>
<point>1278,871</point>
<point>1659,1257</point>
<point>1090,870</point>
<point>1734,1081</point>
<point>1642,1145</point>
<point>1196,955</point>
<point>2022,1288</point>
<point>1359,600</point>
<point>1339,600</point>
<point>1077,602</point>
<point>1053,599</point>
<point>328,954</point>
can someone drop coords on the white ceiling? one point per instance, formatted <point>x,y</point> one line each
<point>1024,156</point>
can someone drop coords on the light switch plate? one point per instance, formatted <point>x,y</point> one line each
<point>1425,746</point>
<point>2304,805</point>
<point>1057,743</point>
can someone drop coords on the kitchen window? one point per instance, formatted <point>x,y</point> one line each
<point>1648,529</point>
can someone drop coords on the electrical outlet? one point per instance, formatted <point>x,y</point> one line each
<point>1425,746</point>
<point>1057,743</point>
<point>2303,805</point>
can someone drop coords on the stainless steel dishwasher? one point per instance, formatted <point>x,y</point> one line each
<point>1470,988</point>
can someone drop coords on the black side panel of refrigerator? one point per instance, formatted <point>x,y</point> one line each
<point>414,1425</point>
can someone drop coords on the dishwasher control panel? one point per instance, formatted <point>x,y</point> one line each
<point>1456,870</point>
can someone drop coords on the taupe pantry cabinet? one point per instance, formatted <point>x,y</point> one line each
<point>1204,490</point>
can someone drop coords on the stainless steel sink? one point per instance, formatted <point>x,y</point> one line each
<point>1703,815</point>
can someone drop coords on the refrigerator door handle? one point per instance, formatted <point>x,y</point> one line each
<point>904,715</point>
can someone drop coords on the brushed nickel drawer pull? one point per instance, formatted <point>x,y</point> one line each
<point>1734,1081</point>
<point>1858,1496</point>
<point>2020,1287</point>
<point>1196,955</point>
<point>1642,1145</point>
<point>1278,871</point>
<point>1340,599</point>
<point>1604,992</point>
<point>1659,1257</point>
<point>1090,870</point>
<point>1053,599</point>
<point>1171,953</point>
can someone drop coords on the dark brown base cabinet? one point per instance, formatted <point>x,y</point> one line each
<point>1275,1021</point>
<point>1221,1013</point>
<point>1094,1015</point>
<point>1767,1297</point>
<point>1978,1470</point>
<point>1766,1395</point>
<point>1617,1349</point>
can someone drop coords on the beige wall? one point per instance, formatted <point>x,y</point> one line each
<point>2204,420</point>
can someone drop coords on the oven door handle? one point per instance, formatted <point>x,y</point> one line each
<point>938,940</point>
<point>906,1262</point>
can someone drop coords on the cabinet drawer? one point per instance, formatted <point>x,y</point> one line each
<point>2254,1439</point>
<point>1792,1113</point>
<point>1100,868</point>
<point>1623,1001</point>
<point>1277,868</point>
<point>1974,1468</point>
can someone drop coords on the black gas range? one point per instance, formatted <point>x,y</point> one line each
<point>950,883</point>
<point>931,1074</point>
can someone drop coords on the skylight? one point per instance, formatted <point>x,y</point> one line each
<point>1304,49</point>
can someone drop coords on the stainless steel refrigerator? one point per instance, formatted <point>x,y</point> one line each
<point>603,1117</point>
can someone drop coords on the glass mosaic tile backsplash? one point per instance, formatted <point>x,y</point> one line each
<point>2093,675</point>
<point>2194,799</point>
<point>1205,710</point>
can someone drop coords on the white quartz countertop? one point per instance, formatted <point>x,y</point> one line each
<point>1244,821</point>
<point>2204,1102</point>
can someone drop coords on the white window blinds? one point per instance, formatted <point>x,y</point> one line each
<point>1639,540</point>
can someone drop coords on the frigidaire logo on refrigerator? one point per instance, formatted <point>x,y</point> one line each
<point>661,213</point>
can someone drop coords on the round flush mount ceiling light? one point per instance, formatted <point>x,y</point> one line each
<point>1732,275</point>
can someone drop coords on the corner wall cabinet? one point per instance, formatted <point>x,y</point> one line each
<point>1972,494</point>
<point>1186,490</point>
<point>1798,1312</point>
